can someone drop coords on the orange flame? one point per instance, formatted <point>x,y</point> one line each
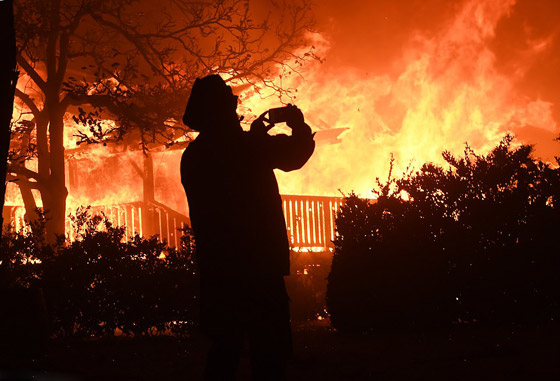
<point>448,92</point>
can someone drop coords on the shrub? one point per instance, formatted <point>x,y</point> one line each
<point>474,242</point>
<point>102,282</point>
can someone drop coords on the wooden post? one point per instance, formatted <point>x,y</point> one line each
<point>148,186</point>
<point>148,197</point>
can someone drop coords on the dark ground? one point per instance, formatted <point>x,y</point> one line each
<point>461,353</point>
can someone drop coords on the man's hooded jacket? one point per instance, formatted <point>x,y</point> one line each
<point>234,204</point>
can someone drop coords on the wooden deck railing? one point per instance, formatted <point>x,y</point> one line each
<point>146,219</point>
<point>310,220</point>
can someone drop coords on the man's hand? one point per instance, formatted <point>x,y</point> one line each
<point>294,117</point>
<point>259,127</point>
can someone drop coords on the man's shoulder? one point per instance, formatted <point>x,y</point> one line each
<point>195,147</point>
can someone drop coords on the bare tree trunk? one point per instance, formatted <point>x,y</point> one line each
<point>8,80</point>
<point>55,194</point>
<point>28,201</point>
<point>148,194</point>
<point>24,184</point>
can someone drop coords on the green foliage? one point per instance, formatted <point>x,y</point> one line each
<point>473,242</point>
<point>101,282</point>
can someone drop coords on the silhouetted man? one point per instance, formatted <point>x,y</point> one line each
<point>242,248</point>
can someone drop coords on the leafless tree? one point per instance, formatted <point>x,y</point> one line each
<point>132,61</point>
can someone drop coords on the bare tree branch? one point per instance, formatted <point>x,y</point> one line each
<point>31,72</point>
<point>25,98</point>
<point>23,171</point>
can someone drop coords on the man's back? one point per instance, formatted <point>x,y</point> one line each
<point>235,206</point>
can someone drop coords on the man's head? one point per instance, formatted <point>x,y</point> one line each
<point>211,106</point>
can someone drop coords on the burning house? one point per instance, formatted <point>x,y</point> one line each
<point>142,193</point>
<point>429,89</point>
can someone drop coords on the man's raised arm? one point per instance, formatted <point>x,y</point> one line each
<point>285,152</point>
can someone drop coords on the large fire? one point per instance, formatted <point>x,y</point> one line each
<point>445,91</point>
<point>449,93</point>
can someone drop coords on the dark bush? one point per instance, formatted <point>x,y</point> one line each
<point>100,282</point>
<point>476,242</point>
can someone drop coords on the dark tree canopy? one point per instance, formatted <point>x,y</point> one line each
<point>132,62</point>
